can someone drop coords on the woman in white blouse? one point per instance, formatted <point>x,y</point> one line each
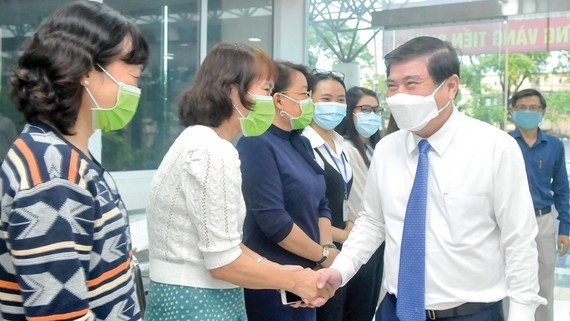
<point>329,96</point>
<point>196,210</point>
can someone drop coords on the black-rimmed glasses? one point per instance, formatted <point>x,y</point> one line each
<point>534,108</point>
<point>370,109</point>
<point>322,72</point>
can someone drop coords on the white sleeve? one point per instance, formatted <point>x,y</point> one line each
<point>212,190</point>
<point>515,217</point>
<point>367,233</point>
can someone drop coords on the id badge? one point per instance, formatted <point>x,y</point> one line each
<point>345,210</point>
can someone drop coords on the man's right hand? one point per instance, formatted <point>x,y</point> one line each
<point>305,286</point>
<point>329,279</point>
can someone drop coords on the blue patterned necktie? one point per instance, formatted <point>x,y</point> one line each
<point>411,277</point>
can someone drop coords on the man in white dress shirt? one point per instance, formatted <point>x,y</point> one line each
<point>479,220</point>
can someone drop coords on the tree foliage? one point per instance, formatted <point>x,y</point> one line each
<point>319,47</point>
<point>334,27</point>
<point>488,101</point>
<point>558,110</point>
<point>521,66</point>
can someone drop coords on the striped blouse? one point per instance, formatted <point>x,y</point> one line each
<point>65,248</point>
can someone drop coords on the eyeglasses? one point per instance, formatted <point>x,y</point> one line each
<point>367,109</point>
<point>305,94</point>
<point>322,72</point>
<point>534,108</point>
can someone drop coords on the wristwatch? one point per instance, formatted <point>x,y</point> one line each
<point>330,245</point>
<point>325,255</point>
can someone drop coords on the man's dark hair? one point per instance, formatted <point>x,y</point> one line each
<point>526,93</point>
<point>443,59</point>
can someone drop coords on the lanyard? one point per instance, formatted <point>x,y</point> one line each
<point>344,182</point>
<point>370,151</point>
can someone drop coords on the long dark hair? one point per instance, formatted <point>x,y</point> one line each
<point>347,127</point>
<point>207,101</point>
<point>73,39</point>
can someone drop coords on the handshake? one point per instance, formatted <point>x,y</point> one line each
<point>313,287</point>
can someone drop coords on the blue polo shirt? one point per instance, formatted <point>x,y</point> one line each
<point>545,164</point>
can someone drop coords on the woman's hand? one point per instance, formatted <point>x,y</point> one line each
<point>305,286</point>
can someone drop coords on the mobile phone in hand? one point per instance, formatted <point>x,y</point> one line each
<point>288,298</point>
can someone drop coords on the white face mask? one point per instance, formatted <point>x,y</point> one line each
<point>413,112</point>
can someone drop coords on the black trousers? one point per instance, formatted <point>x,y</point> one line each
<point>387,312</point>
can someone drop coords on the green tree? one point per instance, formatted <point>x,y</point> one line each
<point>558,110</point>
<point>563,59</point>
<point>335,25</point>
<point>319,46</point>
<point>521,66</point>
<point>486,102</point>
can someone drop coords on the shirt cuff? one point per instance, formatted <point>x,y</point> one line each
<point>563,228</point>
<point>521,312</point>
<point>214,260</point>
<point>326,214</point>
<point>282,233</point>
<point>345,266</point>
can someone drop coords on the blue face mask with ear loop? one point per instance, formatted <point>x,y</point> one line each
<point>527,119</point>
<point>367,123</point>
<point>329,114</point>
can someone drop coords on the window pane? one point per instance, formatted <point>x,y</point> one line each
<point>241,21</point>
<point>174,59</point>
<point>17,22</point>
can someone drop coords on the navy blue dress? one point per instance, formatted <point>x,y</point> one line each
<point>282,185</point>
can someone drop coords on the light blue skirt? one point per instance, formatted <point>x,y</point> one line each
<point>168,302</point>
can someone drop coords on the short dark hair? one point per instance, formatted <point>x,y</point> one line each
<point>206,101</point>
<point>73,39</point>
<point>286,69</point>
<point>443,59</point>
<point>347,127</point>
<point>526,93</point>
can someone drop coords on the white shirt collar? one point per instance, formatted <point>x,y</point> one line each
<point>441,139</point>
<point>317,141</point>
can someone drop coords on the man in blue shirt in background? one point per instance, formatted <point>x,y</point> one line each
<point>545,163</point>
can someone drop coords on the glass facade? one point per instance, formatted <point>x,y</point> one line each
<point>173,30</point>
<point>529,47</point>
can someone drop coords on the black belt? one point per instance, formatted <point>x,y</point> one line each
<point>542,211</point>
<point>465,309</point>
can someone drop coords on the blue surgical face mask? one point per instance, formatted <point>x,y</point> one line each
<point>367,123</point>
<point>527,119</point>
<point>329,114</point>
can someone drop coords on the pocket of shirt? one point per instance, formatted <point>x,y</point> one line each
<point>464,215</point>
